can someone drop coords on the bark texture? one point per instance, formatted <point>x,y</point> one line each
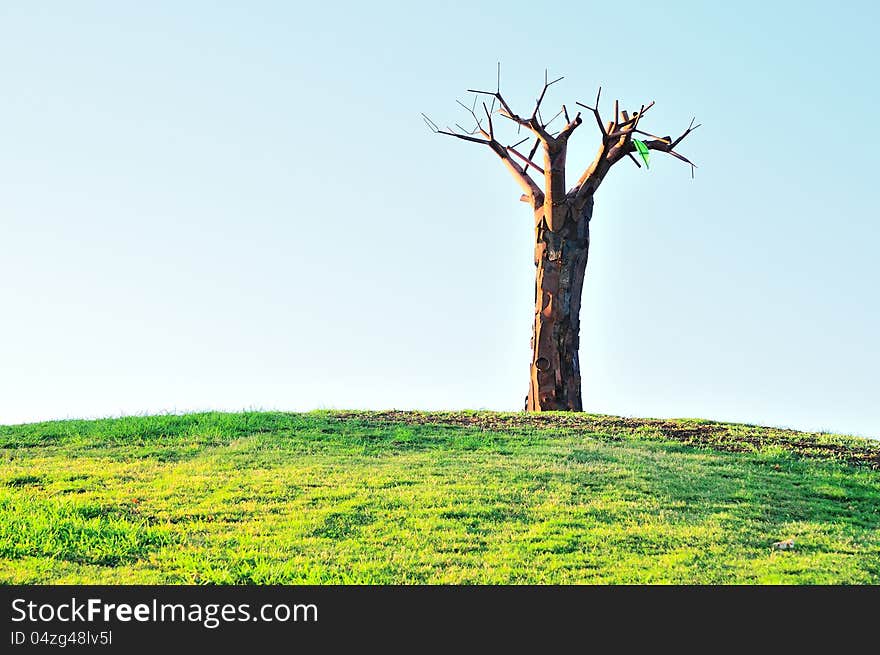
<point>561,262</point>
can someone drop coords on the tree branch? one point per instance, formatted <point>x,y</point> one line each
<point>489,118</point>
<point>650,135</point>
<point>595,111</point>
<point>636,117</point>
<point>479,127</point>
<point>532,154</point>
<point>665,144</point>
<point>571,127</point>
<point>528,160</point>
<point>520,174</point>
<point>617,144</point>
<point>690,129</point>
<point>532,123</point>
<point>557,115</point>
<point>527,184</point>
<point>547,85</point>
<point>464,137</point>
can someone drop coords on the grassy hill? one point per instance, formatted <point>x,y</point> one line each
<point>405,497</point>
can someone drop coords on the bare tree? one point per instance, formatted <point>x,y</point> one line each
<point>562,219</point>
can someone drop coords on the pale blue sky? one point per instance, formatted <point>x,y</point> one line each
<point>218,205</point>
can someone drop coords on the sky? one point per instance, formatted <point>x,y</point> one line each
<point>226,206</point>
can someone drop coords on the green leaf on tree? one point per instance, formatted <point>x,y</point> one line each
<point>643,150</point>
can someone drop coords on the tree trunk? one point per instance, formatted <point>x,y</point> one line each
<point>561,261</point>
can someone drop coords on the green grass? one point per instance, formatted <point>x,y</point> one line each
<point>397,497</point>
